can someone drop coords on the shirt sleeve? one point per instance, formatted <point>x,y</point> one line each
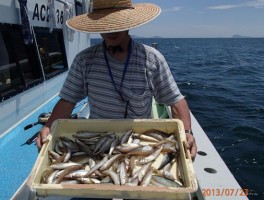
<point>164,87</point>
<point>73,89</point>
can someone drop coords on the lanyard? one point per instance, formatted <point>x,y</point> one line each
<point>124,71</point>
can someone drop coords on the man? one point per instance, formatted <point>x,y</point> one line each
<point>120,76</point>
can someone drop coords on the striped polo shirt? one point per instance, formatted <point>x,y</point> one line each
<point>147,75</point>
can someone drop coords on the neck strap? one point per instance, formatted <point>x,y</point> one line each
<point>124,73</point>
<point>125,68</point>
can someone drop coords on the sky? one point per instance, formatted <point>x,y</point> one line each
<point>204,19</point>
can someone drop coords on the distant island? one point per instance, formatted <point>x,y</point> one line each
<point>135,36</point>
<point>240,36</point>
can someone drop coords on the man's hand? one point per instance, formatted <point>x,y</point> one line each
<point>191,145</point>
<point>42,137</point>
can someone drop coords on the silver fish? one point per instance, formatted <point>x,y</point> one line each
<point>53,155</point>
<point>88,180</point>
<point>76,174</point>
<point>114,176</point>
<point>69,182</point>
<point>144,138</point>
<point>52,176</point>
<point>147,178</point>
<point>68,155</point>
<point>63,165</point>
<point>144,169</point>
<point>97,166</point>
<point>142,151</point>
<point>151,157</point>
<point>165,182</point>
<point>110,162</point>
<point>67,171</point>
<point>125,148</point>
<point>166,172</point>
<point>132,182</point>
<point>123,173</point>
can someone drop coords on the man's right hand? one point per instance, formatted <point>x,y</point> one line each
<point>42,137</point>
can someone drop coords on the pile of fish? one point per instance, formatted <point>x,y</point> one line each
<point>127,158</point>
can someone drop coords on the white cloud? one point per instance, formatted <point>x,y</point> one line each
<point>174,9</point>
<point>255,4</point>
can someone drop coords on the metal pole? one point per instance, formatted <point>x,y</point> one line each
<point>63,2</point>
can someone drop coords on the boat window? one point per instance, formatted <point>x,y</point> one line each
<point>78,8</point>
<point>51,50</point>
<point>19,64</point>
<point>23,66</point>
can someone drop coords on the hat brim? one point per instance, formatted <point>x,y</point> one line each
<point>114,20</point>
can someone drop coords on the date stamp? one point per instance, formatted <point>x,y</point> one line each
<point>228,192</point>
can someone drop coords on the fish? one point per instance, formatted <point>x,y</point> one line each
<point>167,158</point>
<point>67,171</point>
<point>53,155</point>
<point>105,147</point>
<point>113,146</point>
<point>103,141</point>
<point>81,159</point>
<point>159,132</point>
<point>147,178</point>
<point>106,179</point>
<point>151,157</point>
<point>132,182</point>
<point>70,144</point>
<point>76,174</point>
<point>124,138</point>
<point>167,140</point>
<point>69,182</point>
<point>114,176</point>
<point>60,159</point>
<point>79,153</point>
<point>142,151</point>
<point>51,177</point>
<point>58,146</point>
<point>144,169</point>
<point>123,173</point>
<point>84,147</point>
<point>145,138</point>
<point>87,135</point>
<point>110,162</point>
<point>96,167</point>
<point>88,180</point>
<point>63,165</point>
<point>165,182</point>
<point>166,172</point>
<point>93,158</point>
<point>125,148</point>
<point>68,155</point>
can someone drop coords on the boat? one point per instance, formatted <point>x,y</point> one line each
<point>32,70</point>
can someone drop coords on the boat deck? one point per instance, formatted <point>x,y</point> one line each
<point>17,159</point>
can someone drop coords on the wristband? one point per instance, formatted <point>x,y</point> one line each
<point>189,131</point>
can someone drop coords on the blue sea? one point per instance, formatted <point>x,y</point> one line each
<point>223,81</point>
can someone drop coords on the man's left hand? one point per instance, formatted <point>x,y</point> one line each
<point>191,145</point>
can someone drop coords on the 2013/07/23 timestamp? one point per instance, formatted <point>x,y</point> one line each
<point>224,192</point>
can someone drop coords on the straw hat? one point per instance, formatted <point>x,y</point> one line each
<point>113,16</point>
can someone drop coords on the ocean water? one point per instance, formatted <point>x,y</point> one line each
<point>223,81</point>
